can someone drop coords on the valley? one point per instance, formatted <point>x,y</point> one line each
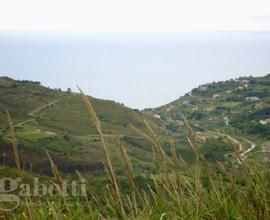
<point>212,143</point>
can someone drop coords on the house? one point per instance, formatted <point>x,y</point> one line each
<point>169,108</point>
<point>265,121</point>
<point>210,109</point>
<point>201,138</point>
<point>203,88</point>
<point>266,159</point>
<point>180,122</point>
<point>216,96</point>
<point>157,116</point>
<point>187,103</point>
<point>252,98</point>
<point>240,88</point>
<point>259,105</point>
<point>50,133</point>
<point>226,120</point>
<point>245,81</point>
<point>266,147</point>
<point>195,108</point>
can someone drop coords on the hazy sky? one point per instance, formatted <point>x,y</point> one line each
<point>135,15</point>
<point>143,53</point>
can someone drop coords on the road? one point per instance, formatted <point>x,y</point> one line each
<point>252,147</point>
<point>32,113</point>
<point>241,149</point>
<point>231,138</point>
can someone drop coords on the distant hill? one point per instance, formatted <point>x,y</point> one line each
<point>59,122</point>
<point>238,107</point>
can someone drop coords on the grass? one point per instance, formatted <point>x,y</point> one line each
<point>177,190</point>
<point>14,145</point>
<point>232,104</point>
<point>209,113</point>
<point>69,119</point>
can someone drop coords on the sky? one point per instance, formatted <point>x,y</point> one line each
<point>135,15</point>
<point>143,53</point>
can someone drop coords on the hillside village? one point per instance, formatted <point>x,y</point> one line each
<point>237,107</point>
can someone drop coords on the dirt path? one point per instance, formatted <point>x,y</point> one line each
<point>240,147</point>
<point>24,122</point>
<point>252,147</point>
<point>116,136</point>
<point>226,120</point>
<point>235,141</point>
<point>32,113</point>
<point>19,124</point>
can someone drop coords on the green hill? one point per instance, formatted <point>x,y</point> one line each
<point>239,108</point>
<point>59,122</point>
<point>222,114</point>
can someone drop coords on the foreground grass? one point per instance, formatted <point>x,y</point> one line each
<point>177,191</point>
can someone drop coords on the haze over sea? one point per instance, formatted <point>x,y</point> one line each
<point>139,70</point>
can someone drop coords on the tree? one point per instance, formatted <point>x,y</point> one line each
<point>69,90</point>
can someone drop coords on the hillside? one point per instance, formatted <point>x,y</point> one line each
<point>221,186</point>
<point>59,122</point>
<point>238,107</point>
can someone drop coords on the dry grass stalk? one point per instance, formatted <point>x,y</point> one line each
<point>131,177</point>
<point>146,136</point>
<point>54,171</point>
<point>191,136</point>
<point>196,148</point>
<point>63,195</point>
<point>93,194</point>
<point>198,187</point>
<point>29,210</point>
<point>176,170</point>
<point>5,215</point>
<point>228,175</point>
<point>156,142</point>
<point>153,139</point>
<point>58,181</point>
<point>129,168</point>
<point>109,166</point>
<point>17,162</point>
<point>237,153</point>
<point>14,145</point>
<point>53,211</point>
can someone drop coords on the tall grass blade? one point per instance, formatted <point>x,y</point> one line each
<point>131,177</point>
<point>109,166</point>
<point>14,145</point>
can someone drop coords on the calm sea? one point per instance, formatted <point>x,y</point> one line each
<point>139,70</point>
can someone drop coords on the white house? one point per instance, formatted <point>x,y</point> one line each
<point>252,98</point>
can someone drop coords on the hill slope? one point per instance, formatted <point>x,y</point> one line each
<point>59,122</point>
<point>239,108</point>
